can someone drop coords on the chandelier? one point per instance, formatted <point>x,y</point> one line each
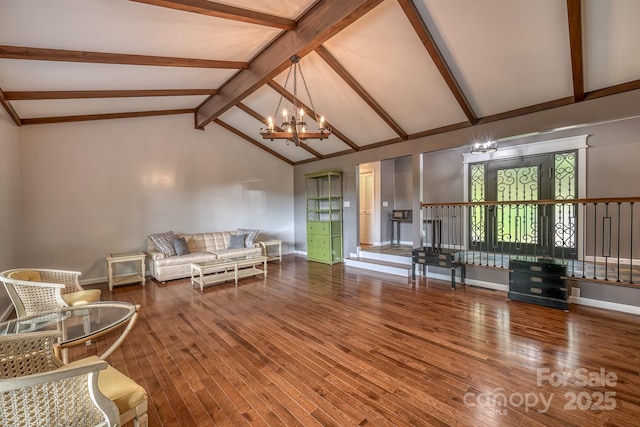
<point>294,128</point>
<point>484,147</point>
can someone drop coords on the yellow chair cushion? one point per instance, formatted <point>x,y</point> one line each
<point>118,387</point>
<point>26,275</point>
<point>82,297</point>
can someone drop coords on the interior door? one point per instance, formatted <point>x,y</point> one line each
<point>366,208</point>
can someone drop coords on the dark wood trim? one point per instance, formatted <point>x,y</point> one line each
<point>613,90</point>
<point>217,10</point>
<point>527,110</point>
<point>574,14</point>
<point>282,91</point>
<point>252,141</point>
<point>264,121</point>
<point>9,109</point>
<point>39,54</point>
<point>107,116</point>
<point>429,43</point>
<point>331,60</point>
<point>78,94</point>
<point>320,23</point>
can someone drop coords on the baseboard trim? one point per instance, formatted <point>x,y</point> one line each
<point>607,305</point>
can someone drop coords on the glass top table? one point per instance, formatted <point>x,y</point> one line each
<point>79,324</point>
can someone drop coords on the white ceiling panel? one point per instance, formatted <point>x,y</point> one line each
<point>16,75</point>
<point>532,68</point>
<point>251,127</point>
<point>383,52</point>
<point>120,26</point>
<point>611,42</point>
<point>72,107</point>
<point>339,104</point>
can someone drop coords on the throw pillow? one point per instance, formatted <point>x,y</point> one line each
<point>237,241</point>
<point>249,242</point>
<point>180,245</point>
<point>164,242</point>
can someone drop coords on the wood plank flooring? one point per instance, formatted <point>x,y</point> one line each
<point>315,345</point>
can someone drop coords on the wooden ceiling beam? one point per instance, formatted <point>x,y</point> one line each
<point>321,22</point>
<point>613,90</point>
<point>421,29</point>
<point>357,88</point>
<point>252,141</point>
<point>265,122</point>
<point>39,54</point>
<point>9,109</point>
<point>83,94</point>
<point>204,7</point>
<point>107,116</point>
<point>308,111</point>
<point>574,13</point>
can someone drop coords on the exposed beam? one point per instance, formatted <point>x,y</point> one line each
<point>265,122</point>
<point>575,43</point>
<point>9,108</point>
<point>527,110</point>
<point>321,22</point>
<point>39,54</point>
<point>204,7</point>
<point>251,140</point>
<point>78,94</point>
<point>429,43</point>
<point>612,90</point>
<point>282,91</point>
<point>108,116</point>
<point>357,88</point>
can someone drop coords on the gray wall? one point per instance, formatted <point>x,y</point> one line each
<point>9,200</point>
<point>97,187</point>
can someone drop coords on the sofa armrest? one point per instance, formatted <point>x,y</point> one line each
<point>155,256</point>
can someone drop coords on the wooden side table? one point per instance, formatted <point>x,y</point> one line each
<point>265,249</point>
<point>135,257</point>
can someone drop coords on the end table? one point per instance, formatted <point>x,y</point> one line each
<point>115,258</point>
<point>265,249</point>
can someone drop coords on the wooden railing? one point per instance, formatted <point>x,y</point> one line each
<point>598,237</point>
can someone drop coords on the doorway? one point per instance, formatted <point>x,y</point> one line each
<point>367,196</point>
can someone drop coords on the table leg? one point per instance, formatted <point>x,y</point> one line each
<point>453,278</point>
<point>280,251</point>
<point>110,275</point>
<point>142,272</point>
<point>265,268</point>
<point>413,271</point>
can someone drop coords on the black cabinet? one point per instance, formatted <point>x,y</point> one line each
<point>538,280</point>
<point>438,258</point>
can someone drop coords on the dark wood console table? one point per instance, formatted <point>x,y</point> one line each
<point>445,258</point>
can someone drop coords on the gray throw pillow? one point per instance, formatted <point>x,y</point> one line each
<point>164,242</point>
<point>180,245</point>
<point>249,242</point>
<point>237,241</point>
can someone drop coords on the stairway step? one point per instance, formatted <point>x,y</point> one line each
<point>379,265</point>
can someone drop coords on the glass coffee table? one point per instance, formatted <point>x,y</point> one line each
<point>79,324</point>
<point>222,270</point>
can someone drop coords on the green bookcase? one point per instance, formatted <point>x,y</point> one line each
<point>324,216</point>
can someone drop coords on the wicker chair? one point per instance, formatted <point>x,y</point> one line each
<point>37,389</point>
<point>39,290</point>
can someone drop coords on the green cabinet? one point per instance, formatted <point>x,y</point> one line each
<point>324,216</point>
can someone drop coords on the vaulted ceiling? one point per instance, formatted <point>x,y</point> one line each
<point>381,71</point>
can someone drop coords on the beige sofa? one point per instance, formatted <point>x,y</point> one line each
<point>203,247</point>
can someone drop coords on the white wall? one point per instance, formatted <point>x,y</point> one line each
<point>95,187</point>
<point>9,200</point>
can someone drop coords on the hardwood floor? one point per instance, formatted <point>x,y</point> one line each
<point>314,344</point>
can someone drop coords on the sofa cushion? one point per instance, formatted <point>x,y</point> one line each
<point>204,242</point>
<point>251,236</point>
<point>232,253</point>
<point>186,259</point>
<point>164,242</point>
<point>180,245</point>
<point>237,241</point>
<point>26,275</point>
